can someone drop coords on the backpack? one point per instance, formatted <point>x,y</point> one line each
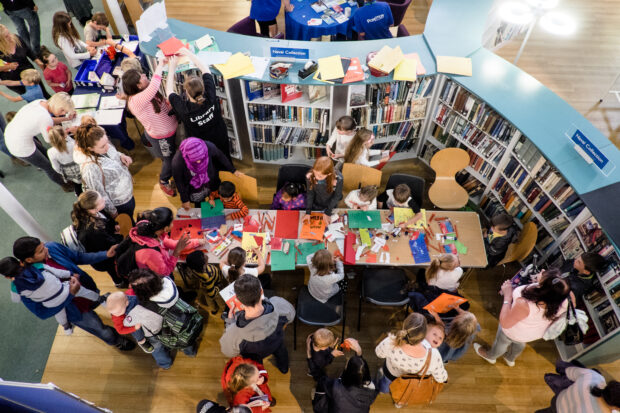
<point>181,326</point>
<point>69,239</point>
<point>125,260</point>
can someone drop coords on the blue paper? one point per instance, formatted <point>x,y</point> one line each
<point>419,250</point>
<point>213,222</point>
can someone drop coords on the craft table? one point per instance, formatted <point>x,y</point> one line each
<point>297,27</point>
<point>467,225</point>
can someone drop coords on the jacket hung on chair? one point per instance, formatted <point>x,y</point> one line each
<point>351,399</point>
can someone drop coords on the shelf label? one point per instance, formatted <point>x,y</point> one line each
<point>290,52</point>
<point>589,149</point>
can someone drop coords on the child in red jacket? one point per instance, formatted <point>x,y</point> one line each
<point>119,304</point>
<point>245,383</point>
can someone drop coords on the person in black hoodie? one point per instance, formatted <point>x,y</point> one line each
<point>502,233</point>
<point>581,272</point>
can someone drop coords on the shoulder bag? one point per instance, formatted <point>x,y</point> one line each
<point>416,388</point>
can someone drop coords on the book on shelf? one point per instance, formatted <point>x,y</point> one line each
<point>357,95</point>
<point>571,248</point>
<point>316,93</point>
<point>253,89</point>
<point>270,90</point>
<point>398,92</point>
<point>472,185</point>
<point>291,92</point>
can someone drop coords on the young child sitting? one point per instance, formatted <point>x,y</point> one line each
<point>119,305</point>
<point>364,198</point>
<point>289,197</point>
<point>444,272</point>
<point>42,283</point>
<point>31,80</point>
<point>325,272</point>
<point>56,73</point>
<point>502,233</point>
<point>233,266</point>
<point>61,158</point>
<point>341,136</point>
<point>321,349</point>
<point>209,277</point>
<point>461,332</point>
<point>231,200</point>
<point>244,382</point>
<point>400,197</point>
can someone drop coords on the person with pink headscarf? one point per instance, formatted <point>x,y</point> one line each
<point>196,167</point>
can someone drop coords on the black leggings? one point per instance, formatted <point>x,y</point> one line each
<point>264,26</point>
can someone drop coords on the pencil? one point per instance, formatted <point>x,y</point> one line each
<point>432,218</point>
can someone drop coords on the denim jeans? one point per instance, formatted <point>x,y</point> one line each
<point>19,18</point>
<point>161,353</point>
<point>3,147</point>
<point>504,346</point>
<point>164,149</point>
<point>92,323</point>
<point>127,208</point>
<point>40,160</point>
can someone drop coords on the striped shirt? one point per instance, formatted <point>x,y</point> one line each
<point>157,125</point>
<point>234,203</point>
<point>209,279</point>
<point>577,397</point>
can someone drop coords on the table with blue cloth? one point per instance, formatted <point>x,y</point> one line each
<point>297,27</point>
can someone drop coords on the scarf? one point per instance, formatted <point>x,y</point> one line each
<point>196,156</point>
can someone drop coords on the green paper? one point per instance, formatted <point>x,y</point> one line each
<point>359,219</point>
<point>307,249</point>
<point>281,261</point>
<point>460,247</point>
<point>365,236</point>
<point>206,210</point>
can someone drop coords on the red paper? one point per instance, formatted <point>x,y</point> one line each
<point>287,224</point>
<point>382,164</point>
<point>192,227</point>
<point>445,303</point>
<point>258,240</point>
<point>315,228</point>
<point>276,244</point>
<point>355,73</point>
<point>371,257</point>
<point>250,224</point>
<point>171,46</point>
<point>349,251</point>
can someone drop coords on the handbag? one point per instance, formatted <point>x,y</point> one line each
<point>573,333</point>
<point>69,238</point>
<point>574,320</point>
<point>416,388</point>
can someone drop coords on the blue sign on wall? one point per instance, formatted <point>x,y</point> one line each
<point>290,52</point>
<point>588,147</point>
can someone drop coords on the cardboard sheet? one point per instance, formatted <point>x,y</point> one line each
<point>306,249</point>
<point>330,67</point>
<point>454,65</point>
<point>206,210</point>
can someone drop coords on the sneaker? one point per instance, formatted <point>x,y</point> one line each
<point>147,347</point>
<point>508,362</point>
<point>477,348</point>
<point>167,189</point>
<point>19,162</point>
<point>273,402</point>
<point>67,187</point>
<point>125,344</point>
<point>103,298</point>
<point>68,330</point>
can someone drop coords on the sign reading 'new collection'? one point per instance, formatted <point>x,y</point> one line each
<point>290,52</point>
<point>590,149</point>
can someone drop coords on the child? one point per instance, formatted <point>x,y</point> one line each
<point>209,277</point>
<point>97,33</point>
<point>42,283</point>
<point>324,188</point>
<point>341,136</point>
<point>321,349</point>
<point>67,39</point>
<point>435,332</point>
<point>61,158</point>
<point>56,73</point>
<point>233,266</point>
<point>502,233</point>
<point>31,80</point>
<point>289,197</point>
<point>324,275</point>
<point>444,272</point>
<point>581,272</point>
<point>461,332</point>
<point>358,151</point>
<point>119,305</point>
<point>231,200</point>
<point>400,197</point>
<point>244,381</point>
<point>364,198</point>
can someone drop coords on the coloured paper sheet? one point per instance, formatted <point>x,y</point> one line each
<point>330,67</point>
<point>287,224</point>
<point>314,229</point>
<point>207,210</point>
<point>454,65</point>
<point>192,227</point>
<point>445,303</point>
<point>405,214</point>
<point>306,249</point>
<point>281,261</point>
<point>364,219</point>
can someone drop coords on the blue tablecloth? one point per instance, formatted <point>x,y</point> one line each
<point>297,22</point>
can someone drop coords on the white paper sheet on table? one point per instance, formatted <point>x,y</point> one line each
<point>340,245</point>
<point>131,45</point>
<point>111,102</point>
<point>213,58</point>
<point>260,65</point>
<point>109,117</point>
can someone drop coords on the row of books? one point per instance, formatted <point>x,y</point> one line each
<point>478,164</point>
<point>571,248</point>
<point>256,90</point>
<point>511,201</point>
<point>544,241</point>
<point>287,135</point>
<point>415,109</point>
<point>404,145</point>
<point>278,113</point>
<point>529,155</point>
<point>393,92</point>
<point>404,130</point>
<point>594,238</point>
<point>271,152</point>
<point>427,152</point>
<point>474,187</point>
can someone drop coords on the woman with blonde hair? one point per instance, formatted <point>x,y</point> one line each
<point>61,157</point>
<point>324,185</point>
<point>67,39</point>
<point>14,51</point>
<point>460,333</point>
<point>358,151</point>
<point>444,272</point>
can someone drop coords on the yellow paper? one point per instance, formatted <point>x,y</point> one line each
<point>454,65</point>
<point>387,59</point>
<point>204,42</point>
<point>237,65</point>
<point>331,67</point>
<point>365,236</point>
<point>317,75</point>
<point>248,242</point>
<point>406,70</point>
<point>405,214</point>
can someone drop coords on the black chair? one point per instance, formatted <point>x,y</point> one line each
<point>415,183</point>
<point>312,312</point>
<point>294,172</point>
<point>383,287</point>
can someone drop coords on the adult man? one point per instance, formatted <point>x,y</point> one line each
<point>30,251</point>
<point>258,330</point>
<point>20,12</point>
<point>373,20</point>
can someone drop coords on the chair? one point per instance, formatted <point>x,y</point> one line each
<point>294,172</point>
<point>399,10</point>
<point>383,287</point>
<point>415,183</point>
<point>246,185</point>
<point>356,176</point>
<point>124,221</point>
<point>402,31</point>
<point>445,192</point>
<point>244,26</point>
<point>314,313</point>
<point>519,250</point>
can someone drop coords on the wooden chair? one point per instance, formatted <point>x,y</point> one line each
<point>246,186</point>
<point>445,192</point>
<point>124,221</point>
<point>519,250</point>
<point>356,176</point>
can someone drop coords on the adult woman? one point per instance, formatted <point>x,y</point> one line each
<point>104,169</point>
<point>526,313</point>
<point>33,119</point>
<point>404,353</point>
<point>324,187</point>
<point>358,151</point>
<point>200,112</point>
<point>148,105</point>
<point>353,391</point>
<point>196,167</point>
<point>67,39</point>
<point>15,53</point>
<point>161,252</point>
<point>96,230</point>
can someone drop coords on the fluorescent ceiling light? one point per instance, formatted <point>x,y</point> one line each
<point>516,12</point>
<point>543,4</point>
<point>558,23</point>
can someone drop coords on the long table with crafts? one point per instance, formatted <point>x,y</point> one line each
<point>357,237</point>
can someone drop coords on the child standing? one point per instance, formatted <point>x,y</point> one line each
<point>321,351</point>
<point>358,151</point>
<point>364,198</point>
<point>501,234</point>
<point>324,188</point>
<point>209,277</point>
<point>227,193</point>
<point>341,136</point>
<point>244,382</point>
<point>31,80</point>
<point>119,305</point>
<point>56,73</point>
<point>445,272</point>
<point>325,273</point>
<point>400,197</point>
<point>289,197</point>
<point>61,158</point>
<point>67,39</point>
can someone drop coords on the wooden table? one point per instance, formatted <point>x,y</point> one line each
<point>467,225</point>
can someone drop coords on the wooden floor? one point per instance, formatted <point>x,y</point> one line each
<point>578,69</point>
